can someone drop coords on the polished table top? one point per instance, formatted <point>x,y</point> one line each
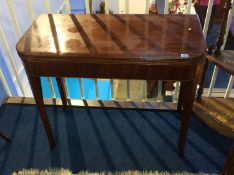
<point>111,38</point>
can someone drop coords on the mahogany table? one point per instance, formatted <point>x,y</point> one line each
<point>146,47</point>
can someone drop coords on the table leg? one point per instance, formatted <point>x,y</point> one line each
<point>62,91</point>
<point>5,137</point>
<point>202,81</point>
<point>188,95</point>
<point>37,92</point>
<point>180,100</point>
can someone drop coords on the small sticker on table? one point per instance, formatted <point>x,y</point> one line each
<point>184,55</point>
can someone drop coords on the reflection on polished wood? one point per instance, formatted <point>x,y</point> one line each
<point>115,47</point>
<point>66,37</point>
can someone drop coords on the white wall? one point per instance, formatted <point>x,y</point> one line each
<point>96,5</point>
<point>11,36</point>
<point>135,6</point>
<point>114,6</point>
<point>55,4</point>
<point>24,19</point>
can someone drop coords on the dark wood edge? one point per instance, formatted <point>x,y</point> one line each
<point>107,59</point>
<point>162,106</point>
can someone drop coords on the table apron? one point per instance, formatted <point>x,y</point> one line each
<point>179,72</point>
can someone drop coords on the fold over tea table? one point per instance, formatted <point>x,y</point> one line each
<point>142,47</point>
